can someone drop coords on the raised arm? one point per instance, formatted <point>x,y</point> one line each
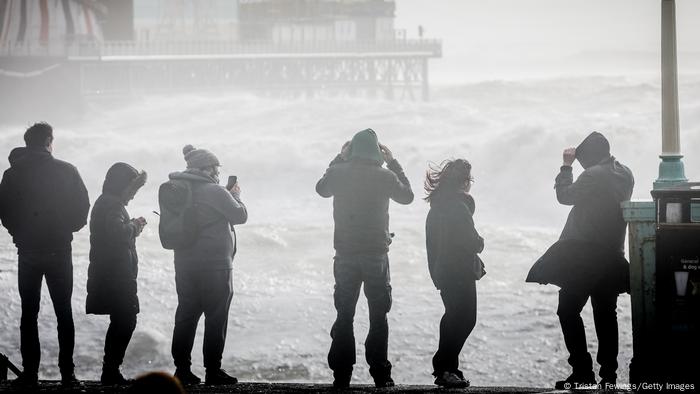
<point>570,192</point>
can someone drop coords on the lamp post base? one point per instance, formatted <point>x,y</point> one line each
<point>671,172</point>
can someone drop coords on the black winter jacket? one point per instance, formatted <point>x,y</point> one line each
<point>113,269</point>
<point>361,192</point>
<point>451,240</point>
<point>43,200</point>
<point>216,212</point>
<point>596,196</point>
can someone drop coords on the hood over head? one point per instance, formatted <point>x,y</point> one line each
<point>594,149</point>
<point>365,146</point>
<point>124,181</point>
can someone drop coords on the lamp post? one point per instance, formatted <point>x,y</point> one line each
<point>671,169</point>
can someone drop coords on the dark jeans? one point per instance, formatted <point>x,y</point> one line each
<point>350,271</point>
<point>605,319</point>
<point>121,327</point>
<point>208,293</point>
<point>57,267</point>
<point>455,326</point>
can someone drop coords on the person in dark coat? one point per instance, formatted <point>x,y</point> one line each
<point>588,260</point>
<point>111,285</point>
<point>43,201</point>
<point>203,270</point>
<point>452,244</point>
<point>361,189</point>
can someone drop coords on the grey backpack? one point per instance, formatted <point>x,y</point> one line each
<point>178,226</point>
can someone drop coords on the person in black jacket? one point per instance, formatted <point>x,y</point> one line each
<point>43,201</point>
<point>361,189</point>
<point>591,247</point>
<point>111,285</point>
<point>204,270</point>
<point>452,244</point>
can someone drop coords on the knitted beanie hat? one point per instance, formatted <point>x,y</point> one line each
<point>199,158</point>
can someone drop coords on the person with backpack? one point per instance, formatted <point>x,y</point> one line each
<point>361,189</point>
<point>197,219</point>
<point>452,244</point>
<point>43,201</point>
<point>111,284</point>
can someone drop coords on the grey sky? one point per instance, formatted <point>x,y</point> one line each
<point>488,34</point>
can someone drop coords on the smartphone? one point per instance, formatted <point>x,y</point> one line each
<point>232,180</point>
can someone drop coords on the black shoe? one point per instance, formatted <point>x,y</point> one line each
<point>384,381</point>
<point>186,377</point>
<point>27,379</point>
<point>451,380</point>
<point>69,379</point>
<point>342,379</point>
<point>219,377</point>
<point>577,381</point>
<point>112,376</point>
<point>608,385</point>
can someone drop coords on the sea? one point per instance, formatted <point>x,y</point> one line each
<point>512,131</point>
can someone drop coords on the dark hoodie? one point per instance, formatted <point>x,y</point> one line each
<point>42,200</point>
<point>451,240</point>
<point>361,189</point>
<point>111,285</point>
<point>216,212</point>
<point>596,195</point>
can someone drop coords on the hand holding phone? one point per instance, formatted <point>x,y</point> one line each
<point>232,180</point>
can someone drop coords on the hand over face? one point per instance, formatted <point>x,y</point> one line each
<point>569,156</point>
<point>388,156</point>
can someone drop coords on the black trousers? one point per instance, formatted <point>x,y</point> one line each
<point>57,267</point>
<point>456,325</point>
<point>350,272</point>
<point>605,319</point>
<point>121,327</point>
<point>208,293</point>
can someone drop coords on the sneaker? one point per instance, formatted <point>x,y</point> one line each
<point>219,377</point>
<point>575,381</point>
<point>186,377</point>
<point>112,376</point>
<point>69,379</point>
<point>451,380</point>
<point>384,381</point>
<point>27,379</point>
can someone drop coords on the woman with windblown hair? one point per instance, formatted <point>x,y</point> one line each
<point>111,286</point>
<point>452,245</point>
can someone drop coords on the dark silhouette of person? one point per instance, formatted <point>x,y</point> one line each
<point>588,260</point>
<point>203,270</point>
<point>111,284</point>
<point>452,244</point>
<point>43,201</point>
<point>361,189</point>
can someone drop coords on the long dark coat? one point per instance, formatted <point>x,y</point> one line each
<point>452,242</point>
<point>113,266</point>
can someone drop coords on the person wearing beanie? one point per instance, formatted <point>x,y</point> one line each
<point>203,269</point>
<point>361,189</point>
<point>43,201</point>
<point>111,284</point>
<point>588,260</point>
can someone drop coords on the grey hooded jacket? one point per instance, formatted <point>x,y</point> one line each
<point>216,212</point>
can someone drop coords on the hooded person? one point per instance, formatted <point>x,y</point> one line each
<point>203,269</point>
<point>361,189</point>
<point>43,201</point>
<point>588,260</point>
<point>113,269</point>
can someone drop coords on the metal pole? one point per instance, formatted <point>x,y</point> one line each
<point>671,169</point>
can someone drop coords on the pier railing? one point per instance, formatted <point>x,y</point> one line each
<point>417,47</point>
